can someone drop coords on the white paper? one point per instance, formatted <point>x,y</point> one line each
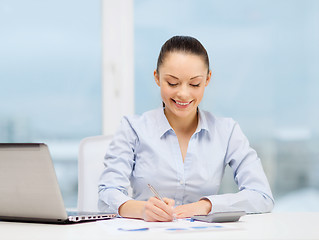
<point>125,225</point>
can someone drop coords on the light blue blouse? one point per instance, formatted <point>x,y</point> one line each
<point>145,150</point>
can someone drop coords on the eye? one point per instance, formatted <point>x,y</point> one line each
<point>195,85</point>
<point>172,84</point>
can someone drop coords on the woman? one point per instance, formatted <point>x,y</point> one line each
<point>181,150</point>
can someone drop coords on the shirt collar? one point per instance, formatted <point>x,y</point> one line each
<point>202,124</point>
<point>164,126</point>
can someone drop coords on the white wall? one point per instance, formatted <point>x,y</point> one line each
<point>117,61</point>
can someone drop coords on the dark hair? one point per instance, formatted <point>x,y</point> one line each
<point>185,44</point>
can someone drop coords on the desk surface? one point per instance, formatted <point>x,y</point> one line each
<point>259,226</point>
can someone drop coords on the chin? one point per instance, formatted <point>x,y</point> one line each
<point>183,113</point>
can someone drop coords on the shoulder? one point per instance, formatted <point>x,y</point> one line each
<point>224,129</point>
<point>141,119</point>
<point>216,123</point>
<point>145,122</point>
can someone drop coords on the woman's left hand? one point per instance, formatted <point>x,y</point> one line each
<point>202,207</point>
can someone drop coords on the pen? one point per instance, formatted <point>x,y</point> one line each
<point>155,192</point>
<point>158,196</point>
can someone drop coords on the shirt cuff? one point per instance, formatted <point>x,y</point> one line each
<point>207,198</point>
<point>114,198</point>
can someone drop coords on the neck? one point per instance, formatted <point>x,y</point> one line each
<point>186,125</point>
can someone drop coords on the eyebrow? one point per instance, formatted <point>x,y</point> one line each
<point>170,75</point>
<point>196,77</point>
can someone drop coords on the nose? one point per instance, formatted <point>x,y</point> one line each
<point>183,92</point>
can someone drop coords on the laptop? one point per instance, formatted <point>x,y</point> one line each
<point>29,190</point>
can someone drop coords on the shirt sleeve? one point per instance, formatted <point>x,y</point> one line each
<point>254,194</point>
<point>119,162</point>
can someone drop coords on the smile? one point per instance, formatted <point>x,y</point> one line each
<point>183,104</point>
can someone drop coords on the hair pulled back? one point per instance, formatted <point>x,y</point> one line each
<point>184,44</point>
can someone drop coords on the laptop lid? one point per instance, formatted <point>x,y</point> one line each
<point>29,190</point>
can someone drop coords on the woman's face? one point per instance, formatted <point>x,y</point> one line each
<point>182,78</point>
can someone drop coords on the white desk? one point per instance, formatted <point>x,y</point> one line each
<point>261,226</point>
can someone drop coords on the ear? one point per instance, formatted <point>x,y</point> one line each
<point>156,77</point>
<point>209,76</point>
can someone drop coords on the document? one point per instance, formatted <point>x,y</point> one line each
<point>125,225</point>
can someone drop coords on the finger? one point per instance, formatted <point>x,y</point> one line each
<point>148,214</point>
<point>165,213</point>
<point>157,210</point>
<point>170,202</point>
<point>152,216</point>
<point>163,206</point>
<point>183,215</point>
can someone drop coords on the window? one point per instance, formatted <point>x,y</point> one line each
<point>50,74</point>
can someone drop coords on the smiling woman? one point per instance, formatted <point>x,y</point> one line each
<point>186,148</point>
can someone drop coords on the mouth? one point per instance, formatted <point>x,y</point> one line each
<point>182,104</point>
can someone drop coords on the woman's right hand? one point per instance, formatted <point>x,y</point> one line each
<point>157,211</point>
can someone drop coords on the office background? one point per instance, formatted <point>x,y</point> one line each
<point>264,56</point>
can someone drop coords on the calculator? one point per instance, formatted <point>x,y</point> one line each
<point>218,217</point>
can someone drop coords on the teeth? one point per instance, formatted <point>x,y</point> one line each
<point>183,104</point>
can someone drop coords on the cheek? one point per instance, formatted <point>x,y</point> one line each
<point>200,93</point>
<point>166,92</point>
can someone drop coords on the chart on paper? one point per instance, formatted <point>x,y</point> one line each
<point>124,225</point>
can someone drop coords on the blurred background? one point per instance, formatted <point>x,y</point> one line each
<point>265,61</point>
